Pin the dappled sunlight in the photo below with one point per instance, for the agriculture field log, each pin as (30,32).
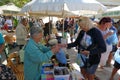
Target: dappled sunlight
(76,66)
(4,62)
(76,72)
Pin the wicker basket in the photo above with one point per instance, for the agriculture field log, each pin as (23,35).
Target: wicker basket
(10,39)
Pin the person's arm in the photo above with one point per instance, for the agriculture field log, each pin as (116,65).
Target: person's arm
(108,34)
(39,54)
(36,55)
(77,41)
(2,41)
(99,42)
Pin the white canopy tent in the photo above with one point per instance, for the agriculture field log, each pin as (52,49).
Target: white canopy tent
(63,7)
(113,12)
(9,9)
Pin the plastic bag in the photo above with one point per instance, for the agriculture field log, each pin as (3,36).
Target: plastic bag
(21,54)
(80,58)
(61,57)
(117,55)
(113,39)
(83,61)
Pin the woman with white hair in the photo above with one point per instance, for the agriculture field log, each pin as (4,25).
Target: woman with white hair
(90,46)
(36,54)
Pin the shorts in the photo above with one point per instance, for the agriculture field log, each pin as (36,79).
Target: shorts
(116,65)
(92,69)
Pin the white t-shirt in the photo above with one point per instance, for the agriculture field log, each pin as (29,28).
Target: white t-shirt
(9,22)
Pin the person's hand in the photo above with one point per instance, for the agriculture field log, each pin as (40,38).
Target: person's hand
(55,49)
(47,37)
(62,45)
(28,36)
(108,34)
(85,52)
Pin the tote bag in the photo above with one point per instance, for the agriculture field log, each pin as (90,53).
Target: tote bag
(21,54)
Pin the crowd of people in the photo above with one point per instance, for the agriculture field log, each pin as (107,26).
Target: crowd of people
(94,42)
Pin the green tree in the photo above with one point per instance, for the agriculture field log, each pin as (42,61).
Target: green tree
(19,3)
(3,2)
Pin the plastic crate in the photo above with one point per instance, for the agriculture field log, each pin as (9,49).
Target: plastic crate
(47,77)
(61,77)
(45,67)
(61,74)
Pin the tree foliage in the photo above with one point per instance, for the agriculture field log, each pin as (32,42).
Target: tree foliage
(19,3)
(3,2)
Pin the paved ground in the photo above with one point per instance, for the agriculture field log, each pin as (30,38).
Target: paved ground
(103,75)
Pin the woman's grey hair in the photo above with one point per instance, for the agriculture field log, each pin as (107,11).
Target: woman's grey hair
(86,22)
(35,30)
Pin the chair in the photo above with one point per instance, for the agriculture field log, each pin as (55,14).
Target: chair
(14,62)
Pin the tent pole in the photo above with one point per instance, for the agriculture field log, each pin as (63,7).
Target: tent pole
(49,25)
(63,21)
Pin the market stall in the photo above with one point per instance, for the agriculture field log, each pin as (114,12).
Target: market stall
(9,9)
(63,8)
(60,73)
(113,12)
